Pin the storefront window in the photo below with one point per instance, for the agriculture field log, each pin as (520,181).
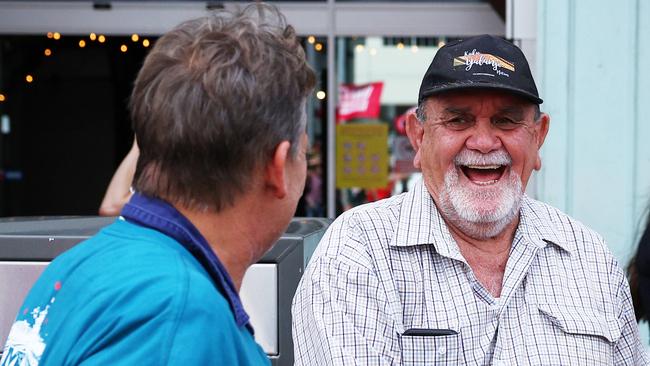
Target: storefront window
(64,121)
(313,201)
(379,78)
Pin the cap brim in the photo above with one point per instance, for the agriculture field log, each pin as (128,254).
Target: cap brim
(462,86)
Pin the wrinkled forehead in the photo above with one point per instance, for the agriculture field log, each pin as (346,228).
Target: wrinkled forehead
(480,102)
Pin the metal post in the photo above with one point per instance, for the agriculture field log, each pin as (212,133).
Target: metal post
(331,112)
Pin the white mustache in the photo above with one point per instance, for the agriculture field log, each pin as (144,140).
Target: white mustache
(470,157)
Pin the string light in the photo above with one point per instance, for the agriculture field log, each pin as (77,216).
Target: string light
(318,47)
(47,52)
(145,42)
(320,95)
(101,38)
(93,36)
(2,98)
(441,44)
(359,48)
(414,49)
(82,43)
(123,48)
(400,46)
(135,37)
(29,78)
(49,35)
(56,36)
(311,39)
(373,51)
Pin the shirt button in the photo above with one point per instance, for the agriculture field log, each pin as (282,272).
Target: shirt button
(442,350)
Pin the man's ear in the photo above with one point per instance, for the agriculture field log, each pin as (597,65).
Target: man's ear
(275,178)
(415,133)
(541,131)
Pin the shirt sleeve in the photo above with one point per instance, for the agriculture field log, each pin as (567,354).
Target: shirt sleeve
(629,350)
(340,311)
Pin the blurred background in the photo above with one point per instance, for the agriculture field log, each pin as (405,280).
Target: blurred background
(67,67)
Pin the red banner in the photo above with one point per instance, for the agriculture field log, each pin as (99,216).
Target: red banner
(359,101)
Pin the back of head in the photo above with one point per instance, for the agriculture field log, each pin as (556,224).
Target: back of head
(213,99)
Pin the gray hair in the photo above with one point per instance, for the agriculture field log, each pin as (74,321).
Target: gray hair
(214,98)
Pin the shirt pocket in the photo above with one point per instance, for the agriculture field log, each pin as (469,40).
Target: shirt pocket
(582,334)
(428,349)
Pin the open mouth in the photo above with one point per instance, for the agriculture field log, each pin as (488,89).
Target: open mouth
(483,175)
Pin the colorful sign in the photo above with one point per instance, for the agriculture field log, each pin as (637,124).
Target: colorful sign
(359,101)
(362,155)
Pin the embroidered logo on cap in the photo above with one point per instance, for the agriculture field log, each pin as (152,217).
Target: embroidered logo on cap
(469,59)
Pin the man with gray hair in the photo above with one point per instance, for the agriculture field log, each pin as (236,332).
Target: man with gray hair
(219,112)
(465,268)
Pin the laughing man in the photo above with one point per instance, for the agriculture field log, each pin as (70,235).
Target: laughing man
(465,268)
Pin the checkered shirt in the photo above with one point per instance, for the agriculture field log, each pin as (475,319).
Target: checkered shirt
(392,265)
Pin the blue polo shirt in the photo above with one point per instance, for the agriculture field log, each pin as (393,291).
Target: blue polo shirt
(146,290)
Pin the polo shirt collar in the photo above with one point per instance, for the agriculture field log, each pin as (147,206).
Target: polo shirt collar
(163,217)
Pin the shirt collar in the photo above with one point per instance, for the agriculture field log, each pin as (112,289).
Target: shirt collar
(420,223)
(161,216)
(537,224)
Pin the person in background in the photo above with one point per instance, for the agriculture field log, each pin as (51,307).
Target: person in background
(314,187)
(119,189)
(219,111)
(465,268)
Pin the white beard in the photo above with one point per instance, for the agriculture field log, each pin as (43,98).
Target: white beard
(481,212)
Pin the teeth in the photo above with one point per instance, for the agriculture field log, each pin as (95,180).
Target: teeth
(484,166)
(486,183)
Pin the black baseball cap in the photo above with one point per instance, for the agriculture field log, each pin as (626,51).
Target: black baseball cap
(480,62)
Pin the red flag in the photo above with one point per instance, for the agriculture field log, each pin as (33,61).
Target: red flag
(359,101)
